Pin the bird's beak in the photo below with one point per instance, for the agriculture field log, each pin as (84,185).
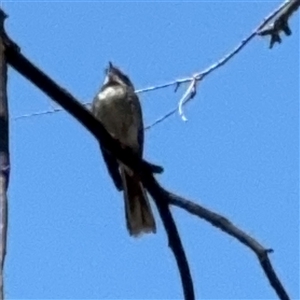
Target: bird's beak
(110,68)
(108,72)
(110,65)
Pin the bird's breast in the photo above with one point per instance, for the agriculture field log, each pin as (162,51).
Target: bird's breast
(118,115)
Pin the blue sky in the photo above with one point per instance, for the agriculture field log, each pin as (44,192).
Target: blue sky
(237,154)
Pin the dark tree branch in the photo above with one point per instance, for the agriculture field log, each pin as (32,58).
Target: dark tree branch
(4,154)
(280,23)
(145,169)
(225,225)
(162,200)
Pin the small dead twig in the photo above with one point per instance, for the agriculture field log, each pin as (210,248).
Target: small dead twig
(280,24)
(201,75)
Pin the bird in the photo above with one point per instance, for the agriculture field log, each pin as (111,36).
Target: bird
(118,108)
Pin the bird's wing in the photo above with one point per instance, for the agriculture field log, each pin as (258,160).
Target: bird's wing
(137,111)
(113,168)
(110,161)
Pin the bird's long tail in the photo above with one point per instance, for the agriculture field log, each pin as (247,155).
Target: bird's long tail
(139,216)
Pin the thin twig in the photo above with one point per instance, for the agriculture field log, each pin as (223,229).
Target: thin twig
(199,76)
(46,112)
(40,113)
(161,119)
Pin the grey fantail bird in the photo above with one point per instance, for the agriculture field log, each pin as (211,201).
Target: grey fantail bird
(118,108)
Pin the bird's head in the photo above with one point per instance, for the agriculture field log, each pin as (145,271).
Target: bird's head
(116,76)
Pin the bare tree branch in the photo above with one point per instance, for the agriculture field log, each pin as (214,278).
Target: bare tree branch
(4,155)
(201,75)
(225,225)
(143,168)
(187,96)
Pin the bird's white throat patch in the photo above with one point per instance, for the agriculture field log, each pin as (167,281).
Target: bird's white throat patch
(109,93)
